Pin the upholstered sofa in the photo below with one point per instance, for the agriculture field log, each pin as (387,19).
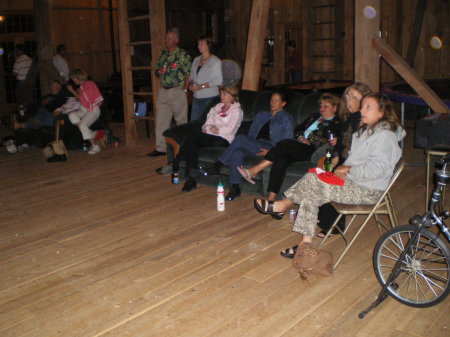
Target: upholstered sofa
(299,105)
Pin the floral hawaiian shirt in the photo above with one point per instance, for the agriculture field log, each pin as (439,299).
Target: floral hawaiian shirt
(178,64)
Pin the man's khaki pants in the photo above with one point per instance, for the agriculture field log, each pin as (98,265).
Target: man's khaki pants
(171,103)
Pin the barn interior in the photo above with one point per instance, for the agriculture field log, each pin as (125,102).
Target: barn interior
(104,246)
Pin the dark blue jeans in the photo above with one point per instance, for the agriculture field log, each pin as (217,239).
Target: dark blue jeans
(198,107)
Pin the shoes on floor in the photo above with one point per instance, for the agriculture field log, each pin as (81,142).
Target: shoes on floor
(156,153)
(234,192)
(166,169)
(189,185)
(57,157)
(94,149)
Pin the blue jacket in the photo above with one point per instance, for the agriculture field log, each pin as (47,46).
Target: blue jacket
(281,125)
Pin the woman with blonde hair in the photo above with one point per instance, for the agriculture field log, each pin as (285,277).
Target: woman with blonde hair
(221,125)
(90,100)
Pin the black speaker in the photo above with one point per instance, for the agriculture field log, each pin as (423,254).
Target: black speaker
(433,131)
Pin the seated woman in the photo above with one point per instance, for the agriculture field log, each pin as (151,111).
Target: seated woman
(266,130)
(90,100)
(350,117)
(366,172)
(221,125)
(310,135)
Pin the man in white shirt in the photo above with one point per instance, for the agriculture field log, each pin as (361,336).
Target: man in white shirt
(20,68)
(60,62)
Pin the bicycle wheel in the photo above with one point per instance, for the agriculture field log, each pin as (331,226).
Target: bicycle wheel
(423,278)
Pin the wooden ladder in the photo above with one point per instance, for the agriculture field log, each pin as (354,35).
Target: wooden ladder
(156,18)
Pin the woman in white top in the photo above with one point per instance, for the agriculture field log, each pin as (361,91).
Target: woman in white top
(205,77)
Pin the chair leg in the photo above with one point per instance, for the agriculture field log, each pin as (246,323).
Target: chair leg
(427,183)
(353,239)
(331,229)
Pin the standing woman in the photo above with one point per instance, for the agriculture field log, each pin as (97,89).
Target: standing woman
(90,100)
(205,77)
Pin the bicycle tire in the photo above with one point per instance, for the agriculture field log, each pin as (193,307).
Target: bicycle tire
(423,279)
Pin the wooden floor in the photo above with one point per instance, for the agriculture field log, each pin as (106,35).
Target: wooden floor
(103,246)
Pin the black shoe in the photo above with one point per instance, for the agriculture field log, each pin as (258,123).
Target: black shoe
(212,170)
(234,192)
(189,185)
(156,153)
(57,157)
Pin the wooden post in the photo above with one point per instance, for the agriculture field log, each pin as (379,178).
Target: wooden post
(157,20)
(409,75)
(45,46)
(367,25)
(127,77)
(255,44)
(415,32)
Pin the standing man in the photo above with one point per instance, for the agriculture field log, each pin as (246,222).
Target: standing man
(60,62)
(20,69)
(172,68)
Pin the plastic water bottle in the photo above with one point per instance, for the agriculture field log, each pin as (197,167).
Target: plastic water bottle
(175,178)
(220,198)
(21,110)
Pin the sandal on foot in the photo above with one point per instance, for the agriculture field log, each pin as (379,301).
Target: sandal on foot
(266,207)
(245,174)
(287,252)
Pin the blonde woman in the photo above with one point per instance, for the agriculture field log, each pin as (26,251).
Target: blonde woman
(221,125)
(90,100)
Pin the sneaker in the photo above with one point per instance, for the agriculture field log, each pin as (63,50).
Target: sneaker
(94,149)
(23,147)
(11,146)
(166,169)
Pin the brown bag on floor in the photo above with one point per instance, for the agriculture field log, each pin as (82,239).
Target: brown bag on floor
(55,147)
(59,147)
(312,261)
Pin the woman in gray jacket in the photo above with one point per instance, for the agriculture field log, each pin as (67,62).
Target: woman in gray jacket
(366,172)
(205,77)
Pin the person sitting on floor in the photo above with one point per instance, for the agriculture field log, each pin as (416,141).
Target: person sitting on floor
(364,175)
(90,100)
(267,129)
(310,135)
(221,125)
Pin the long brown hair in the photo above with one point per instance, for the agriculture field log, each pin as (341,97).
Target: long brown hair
(389,116)
(360,87)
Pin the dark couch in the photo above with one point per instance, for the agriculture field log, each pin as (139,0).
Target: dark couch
(300,106)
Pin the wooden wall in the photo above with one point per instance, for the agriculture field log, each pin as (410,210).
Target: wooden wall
(397,19)
(83,26)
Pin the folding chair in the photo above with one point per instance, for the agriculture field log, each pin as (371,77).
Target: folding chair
(383,206)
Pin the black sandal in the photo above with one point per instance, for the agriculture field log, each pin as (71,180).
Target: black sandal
(286,253)
(267,210)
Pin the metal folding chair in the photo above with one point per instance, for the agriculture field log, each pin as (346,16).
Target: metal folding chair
(383,206)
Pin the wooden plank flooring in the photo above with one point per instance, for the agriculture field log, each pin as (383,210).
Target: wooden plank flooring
(103,246)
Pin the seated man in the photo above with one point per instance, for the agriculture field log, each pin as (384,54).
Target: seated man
(266,130)
(43,115)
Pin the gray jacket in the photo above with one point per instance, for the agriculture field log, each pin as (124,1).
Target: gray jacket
(373,156)
(210,72)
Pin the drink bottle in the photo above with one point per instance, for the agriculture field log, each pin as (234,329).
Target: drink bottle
(175,178)
(327,165)
(220,198)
